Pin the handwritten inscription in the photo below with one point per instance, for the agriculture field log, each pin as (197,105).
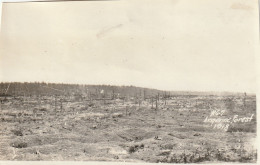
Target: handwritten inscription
(218,121)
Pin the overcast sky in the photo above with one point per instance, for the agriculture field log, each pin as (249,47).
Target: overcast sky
(170,45)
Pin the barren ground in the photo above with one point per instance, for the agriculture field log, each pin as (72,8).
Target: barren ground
(31,129)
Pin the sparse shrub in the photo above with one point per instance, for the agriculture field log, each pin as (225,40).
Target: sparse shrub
(19,145)
(116,157)
(43,109)
(242,128)
(168,146)
(173,159)
(197,134)
(134,148)
(17,132)
(184,158)
(164,153)
(91,104)
(200,156)
(115,115)
(221,156)
(131,149)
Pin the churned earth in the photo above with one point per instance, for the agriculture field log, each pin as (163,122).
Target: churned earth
(116,130)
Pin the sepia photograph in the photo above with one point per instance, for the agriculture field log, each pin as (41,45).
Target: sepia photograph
(138,81)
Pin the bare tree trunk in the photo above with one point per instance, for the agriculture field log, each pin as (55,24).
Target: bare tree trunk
(104,96)
(113,95)
(244,101)
(165,98)
(55,103)
(152,102)
(61,105)
(96,93)
(156,103)
(39,102)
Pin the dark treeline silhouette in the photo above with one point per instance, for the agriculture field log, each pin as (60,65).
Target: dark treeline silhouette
(93,91)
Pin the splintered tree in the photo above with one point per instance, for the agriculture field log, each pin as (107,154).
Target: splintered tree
(156,102)
(123,100)
(24,99)
(1,104)
(152,102)
(90,96)
(103,96)
(61,101)
(165,98)
(126,109)
(139,99)
(244,100)
(113,94)
(96,93)
(7,89)
(39,102)
(55,103)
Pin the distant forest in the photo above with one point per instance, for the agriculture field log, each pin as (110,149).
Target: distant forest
(93,91)
(97,91)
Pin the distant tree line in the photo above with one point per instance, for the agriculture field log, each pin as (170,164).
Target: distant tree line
(91,91)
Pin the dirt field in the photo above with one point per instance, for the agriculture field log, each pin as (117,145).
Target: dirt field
(40,128)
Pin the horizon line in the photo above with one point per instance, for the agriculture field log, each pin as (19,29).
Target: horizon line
(191,91)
